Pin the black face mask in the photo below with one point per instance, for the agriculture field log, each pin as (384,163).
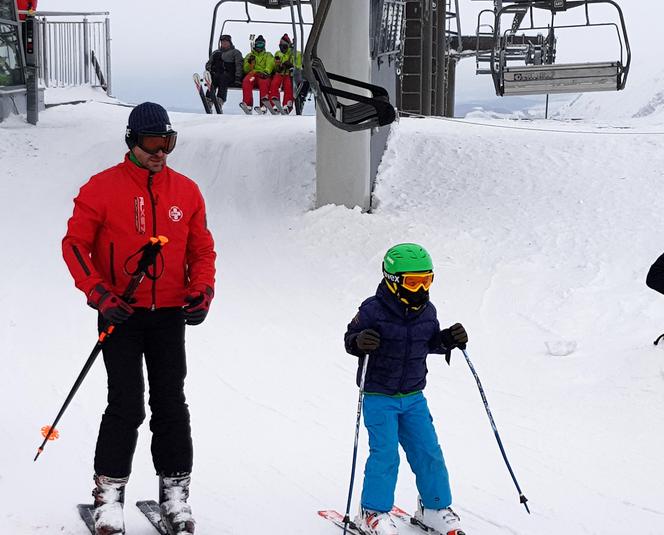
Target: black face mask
(415,299)
(283,48)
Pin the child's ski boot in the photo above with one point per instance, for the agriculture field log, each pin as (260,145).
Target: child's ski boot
(443,521)
(375,523)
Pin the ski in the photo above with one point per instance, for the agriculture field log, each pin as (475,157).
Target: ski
(152,512)
(246,109)
(260,110)
(213,92)
(269,105)
(201,93)
(277,107)
(85,512)
(338,520)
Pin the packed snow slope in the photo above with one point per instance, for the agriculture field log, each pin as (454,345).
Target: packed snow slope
(541,233)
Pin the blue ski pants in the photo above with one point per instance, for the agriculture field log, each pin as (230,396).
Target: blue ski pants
(391,421)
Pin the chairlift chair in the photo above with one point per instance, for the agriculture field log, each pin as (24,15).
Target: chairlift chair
(539,74)
(297,23)
(365,112)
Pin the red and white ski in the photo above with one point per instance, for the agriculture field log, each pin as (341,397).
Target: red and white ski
(338,520)
(401,516)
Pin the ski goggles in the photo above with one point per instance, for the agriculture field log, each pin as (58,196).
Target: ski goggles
(152,142)
(412,281)
(415,281)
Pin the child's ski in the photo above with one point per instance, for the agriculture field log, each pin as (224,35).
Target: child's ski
(338,520)
(201,93)
(151,510)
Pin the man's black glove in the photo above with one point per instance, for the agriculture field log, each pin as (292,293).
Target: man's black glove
(455,336)
(367,340)
(197,307)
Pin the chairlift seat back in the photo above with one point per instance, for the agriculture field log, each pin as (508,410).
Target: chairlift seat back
(367,112)
(561,78)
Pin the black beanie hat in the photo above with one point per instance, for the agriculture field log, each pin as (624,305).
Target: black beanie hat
(147,117)
(259,39)
(226,37)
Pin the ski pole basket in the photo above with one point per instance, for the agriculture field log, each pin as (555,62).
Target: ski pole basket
(364,112)
(523,65)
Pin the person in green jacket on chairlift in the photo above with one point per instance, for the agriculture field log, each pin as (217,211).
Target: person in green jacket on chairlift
(286,59)
(258,69)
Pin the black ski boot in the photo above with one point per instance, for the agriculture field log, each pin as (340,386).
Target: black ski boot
(175,511)
(109,500)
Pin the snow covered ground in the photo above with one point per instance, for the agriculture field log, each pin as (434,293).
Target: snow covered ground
(541,232)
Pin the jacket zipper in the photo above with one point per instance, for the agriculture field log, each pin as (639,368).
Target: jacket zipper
(406,354)
(154,233)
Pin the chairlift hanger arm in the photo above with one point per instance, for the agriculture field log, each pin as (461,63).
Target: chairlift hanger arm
(367,113)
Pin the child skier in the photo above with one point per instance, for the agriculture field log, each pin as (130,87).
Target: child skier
(398,328)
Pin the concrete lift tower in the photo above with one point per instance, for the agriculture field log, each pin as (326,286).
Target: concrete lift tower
(361,41)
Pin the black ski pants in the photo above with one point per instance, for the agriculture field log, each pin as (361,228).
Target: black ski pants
(159,336)
(222,82)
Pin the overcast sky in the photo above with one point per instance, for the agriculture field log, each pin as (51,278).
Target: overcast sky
(158,44)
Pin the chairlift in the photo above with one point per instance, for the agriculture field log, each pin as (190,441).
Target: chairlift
(539,74)
(297,24)
(367,111)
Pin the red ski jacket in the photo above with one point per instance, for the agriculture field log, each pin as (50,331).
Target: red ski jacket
(115,214)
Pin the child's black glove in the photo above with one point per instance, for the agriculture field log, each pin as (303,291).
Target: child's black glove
(455,336)
(367,340)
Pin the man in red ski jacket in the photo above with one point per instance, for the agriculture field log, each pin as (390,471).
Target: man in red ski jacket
(115,214)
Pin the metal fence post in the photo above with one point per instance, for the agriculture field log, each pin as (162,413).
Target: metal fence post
(45,51)
(109,86)
(86,51)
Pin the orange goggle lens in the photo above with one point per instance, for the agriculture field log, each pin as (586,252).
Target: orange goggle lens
(153,143)
(415,281)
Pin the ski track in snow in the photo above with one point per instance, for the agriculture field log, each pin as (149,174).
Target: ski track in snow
(538,237)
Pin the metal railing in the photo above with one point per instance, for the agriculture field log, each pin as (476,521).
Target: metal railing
(74,48)
(388,31)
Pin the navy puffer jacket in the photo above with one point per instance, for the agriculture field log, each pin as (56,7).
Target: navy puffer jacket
(407,336)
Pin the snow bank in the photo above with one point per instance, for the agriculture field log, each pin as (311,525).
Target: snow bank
(541,241)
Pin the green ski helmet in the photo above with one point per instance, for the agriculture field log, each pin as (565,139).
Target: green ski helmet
(408,273)
(407,258)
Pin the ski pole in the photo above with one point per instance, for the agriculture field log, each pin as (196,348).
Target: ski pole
(357,435)
(522,498)
(148,257)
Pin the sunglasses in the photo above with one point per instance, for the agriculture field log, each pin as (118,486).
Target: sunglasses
(415,281)
(152,143)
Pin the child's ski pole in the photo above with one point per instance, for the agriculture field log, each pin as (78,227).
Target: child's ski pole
(522,498)
(357,434)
